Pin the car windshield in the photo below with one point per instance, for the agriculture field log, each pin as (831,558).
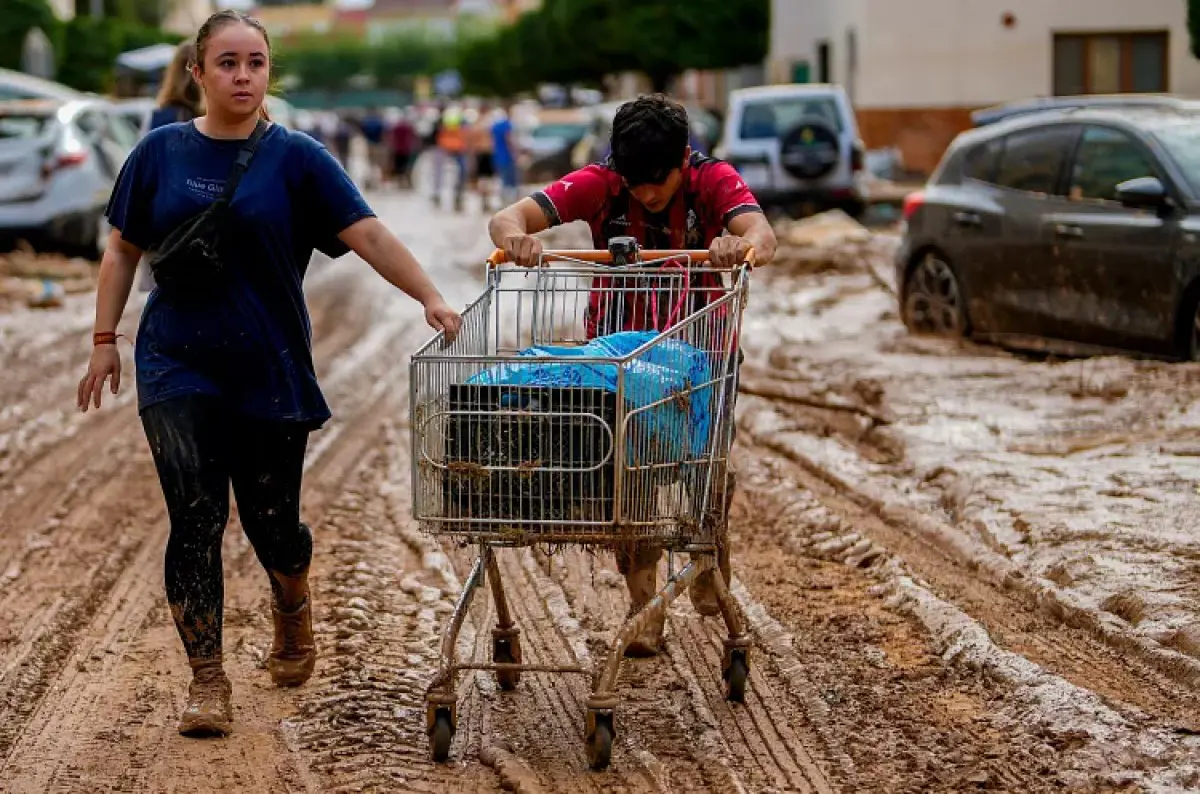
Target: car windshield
(23,127)
(1182,142)
(772,118)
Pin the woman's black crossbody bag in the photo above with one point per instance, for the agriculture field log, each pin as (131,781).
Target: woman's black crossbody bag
(188,265)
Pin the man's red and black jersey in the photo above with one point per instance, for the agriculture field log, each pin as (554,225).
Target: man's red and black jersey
(712,195)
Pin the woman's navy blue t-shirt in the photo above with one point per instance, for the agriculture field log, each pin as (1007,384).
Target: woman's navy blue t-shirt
(252,345)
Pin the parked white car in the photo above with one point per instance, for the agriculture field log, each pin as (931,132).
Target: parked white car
(58,164)
(797,146)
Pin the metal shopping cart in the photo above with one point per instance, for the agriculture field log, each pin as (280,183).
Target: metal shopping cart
(524,434)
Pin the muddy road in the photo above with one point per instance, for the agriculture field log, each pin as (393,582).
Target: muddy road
(934,602)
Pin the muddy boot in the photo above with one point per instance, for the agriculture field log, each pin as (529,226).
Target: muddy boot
(643,585)
(703,591)
(209,711)
(294,652)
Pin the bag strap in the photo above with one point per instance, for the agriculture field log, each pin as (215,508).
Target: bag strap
(242,163)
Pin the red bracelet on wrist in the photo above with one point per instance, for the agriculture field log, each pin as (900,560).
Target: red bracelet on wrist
(106,338)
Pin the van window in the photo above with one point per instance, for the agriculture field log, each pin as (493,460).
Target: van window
(773,118)
(1033,159)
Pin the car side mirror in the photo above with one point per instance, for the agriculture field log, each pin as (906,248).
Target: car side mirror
(1144,193)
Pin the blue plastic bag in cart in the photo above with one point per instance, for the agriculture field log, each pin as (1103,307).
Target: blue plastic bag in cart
(665,372)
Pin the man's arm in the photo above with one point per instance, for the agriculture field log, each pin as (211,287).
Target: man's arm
(755,229)
(579,195)
(511,228)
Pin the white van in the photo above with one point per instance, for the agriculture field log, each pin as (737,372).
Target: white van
(797,146)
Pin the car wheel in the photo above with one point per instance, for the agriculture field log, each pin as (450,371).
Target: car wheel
(93,237)
(933,300)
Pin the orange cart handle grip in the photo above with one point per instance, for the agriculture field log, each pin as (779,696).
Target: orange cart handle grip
(499,257)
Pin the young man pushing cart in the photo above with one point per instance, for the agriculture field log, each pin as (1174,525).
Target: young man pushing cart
(653,188)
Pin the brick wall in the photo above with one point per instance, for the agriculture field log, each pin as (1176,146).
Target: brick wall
(921,134)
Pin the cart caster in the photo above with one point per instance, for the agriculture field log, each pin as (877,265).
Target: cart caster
(506,649)
(600,739)
(440,735)
(735,675)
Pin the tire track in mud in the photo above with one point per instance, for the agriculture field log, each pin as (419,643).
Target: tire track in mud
(901,717)
(969,735)
(120,599)
(761,745)
(1012,620)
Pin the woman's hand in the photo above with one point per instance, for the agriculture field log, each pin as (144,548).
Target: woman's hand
(441,317)
(105,363)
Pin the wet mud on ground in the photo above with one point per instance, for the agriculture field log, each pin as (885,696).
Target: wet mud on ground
(889,556)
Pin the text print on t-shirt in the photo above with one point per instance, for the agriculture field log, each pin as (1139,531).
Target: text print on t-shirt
(205,188)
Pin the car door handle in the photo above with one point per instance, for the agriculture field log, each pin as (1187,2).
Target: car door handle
(967,219)
(1066,230)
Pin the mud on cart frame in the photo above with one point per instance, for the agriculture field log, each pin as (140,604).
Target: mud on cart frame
(585,401)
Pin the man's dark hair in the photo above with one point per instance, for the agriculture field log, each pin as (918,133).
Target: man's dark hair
(649,138)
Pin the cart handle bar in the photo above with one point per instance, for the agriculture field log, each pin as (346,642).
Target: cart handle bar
(499,256)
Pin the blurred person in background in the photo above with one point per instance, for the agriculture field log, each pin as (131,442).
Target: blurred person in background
(403,143)
(179,98)
(504,154)
(655,188)
(373,130)
(226,385)
(483,155)
(341,136)
(451,150)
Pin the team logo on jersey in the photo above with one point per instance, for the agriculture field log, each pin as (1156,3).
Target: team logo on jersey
(692,234)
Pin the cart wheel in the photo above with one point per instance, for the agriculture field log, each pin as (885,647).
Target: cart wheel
(507,650)
(735,676)
(599,744)
(440,736)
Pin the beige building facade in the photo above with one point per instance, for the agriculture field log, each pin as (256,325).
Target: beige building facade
(916,69)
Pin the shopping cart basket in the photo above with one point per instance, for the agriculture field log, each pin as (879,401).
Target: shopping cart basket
(523,434)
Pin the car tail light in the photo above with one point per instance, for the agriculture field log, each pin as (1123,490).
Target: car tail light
(63,160)
(913,202)
(857,158)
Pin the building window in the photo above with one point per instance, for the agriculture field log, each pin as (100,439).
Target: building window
(823,74)
(1110,63)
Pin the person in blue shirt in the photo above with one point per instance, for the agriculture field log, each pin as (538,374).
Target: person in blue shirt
(504,155)
(226,387)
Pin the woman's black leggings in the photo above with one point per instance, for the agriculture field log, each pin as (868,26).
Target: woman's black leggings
(200,447)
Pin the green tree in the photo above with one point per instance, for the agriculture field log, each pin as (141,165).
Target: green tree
(580,41)
(91,46)
(16,20)
(150,13)
(324,63)
(398,60)
(664,38)
(587,61)
(493,65)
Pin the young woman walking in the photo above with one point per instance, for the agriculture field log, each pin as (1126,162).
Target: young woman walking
(226,386)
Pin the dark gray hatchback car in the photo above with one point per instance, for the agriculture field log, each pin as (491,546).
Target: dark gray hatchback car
(1074,229)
